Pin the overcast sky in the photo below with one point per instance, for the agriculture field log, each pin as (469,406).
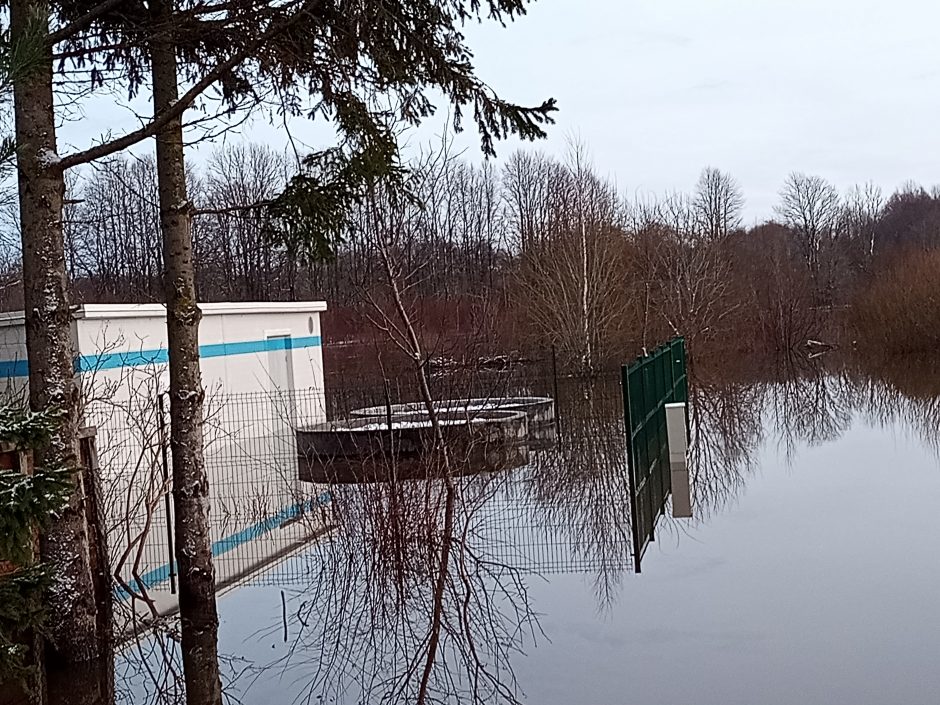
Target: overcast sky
(658,89)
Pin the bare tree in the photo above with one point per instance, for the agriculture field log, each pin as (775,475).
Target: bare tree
(718,203)
(811,207)
(863,207)
(532,187)
(115,236)
(686,272)
(572,280)
(236,258)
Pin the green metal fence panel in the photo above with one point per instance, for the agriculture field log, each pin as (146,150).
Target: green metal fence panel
(649,383)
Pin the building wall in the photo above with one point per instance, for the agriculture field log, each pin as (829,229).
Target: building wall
(126,344)
(262,369)
(13,366)
(242,347)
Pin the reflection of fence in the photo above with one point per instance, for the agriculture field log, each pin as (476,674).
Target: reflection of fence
(649,383)
(563,514)
(258,509)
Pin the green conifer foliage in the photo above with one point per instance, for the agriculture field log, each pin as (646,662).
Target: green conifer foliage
(27,503)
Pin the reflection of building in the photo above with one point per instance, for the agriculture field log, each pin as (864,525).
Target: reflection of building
(262,369)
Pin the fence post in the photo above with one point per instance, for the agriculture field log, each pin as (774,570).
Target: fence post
(555,392)
(166,495)
(678,469)
(388,405)
(96,521)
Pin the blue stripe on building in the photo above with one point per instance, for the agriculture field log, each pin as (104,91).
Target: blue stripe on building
(159,575)
(14,368)
(159,356)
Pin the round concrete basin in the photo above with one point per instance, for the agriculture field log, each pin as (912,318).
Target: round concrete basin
(365,449)
(539,411)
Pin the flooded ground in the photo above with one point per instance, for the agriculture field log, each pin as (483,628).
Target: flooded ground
(808,575)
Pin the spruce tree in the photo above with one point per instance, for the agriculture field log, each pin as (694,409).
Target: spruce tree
(29,498)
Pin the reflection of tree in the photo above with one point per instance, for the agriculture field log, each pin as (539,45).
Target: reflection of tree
(726,429)
(902,391)
(580,488)
(370,612)
(149,670)
(809,404)
(814,402)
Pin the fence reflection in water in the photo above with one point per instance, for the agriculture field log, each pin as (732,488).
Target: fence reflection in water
(549,515)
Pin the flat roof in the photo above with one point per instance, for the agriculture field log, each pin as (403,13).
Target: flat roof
(12,318)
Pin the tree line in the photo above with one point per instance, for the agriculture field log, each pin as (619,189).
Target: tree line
(534,251)
(435,252)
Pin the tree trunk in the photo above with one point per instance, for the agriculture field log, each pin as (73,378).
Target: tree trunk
(199,619)
(65,547)
(89,683)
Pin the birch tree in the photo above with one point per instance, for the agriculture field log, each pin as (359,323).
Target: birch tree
(573,281)
(863,208)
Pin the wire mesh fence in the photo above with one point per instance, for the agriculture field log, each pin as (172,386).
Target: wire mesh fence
(566,510)
(258,508)
(563,511)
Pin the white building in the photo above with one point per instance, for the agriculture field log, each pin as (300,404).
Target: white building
(262,369)
(245,347)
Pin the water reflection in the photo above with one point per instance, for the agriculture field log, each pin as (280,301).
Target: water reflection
(805,403)
(402,603)
(579,492)
(421,595)
(907,394)
(818,400)
(811,408)
(726,432)
(425,590)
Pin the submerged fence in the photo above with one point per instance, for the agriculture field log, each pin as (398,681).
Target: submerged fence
(565,511)
(261,512)
(258,509)
(649,383)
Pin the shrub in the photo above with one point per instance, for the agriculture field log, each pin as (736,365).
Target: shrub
(900,311)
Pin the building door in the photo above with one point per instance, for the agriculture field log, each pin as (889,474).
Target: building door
(281,376)
(281,388)
(280,469)
(280,362)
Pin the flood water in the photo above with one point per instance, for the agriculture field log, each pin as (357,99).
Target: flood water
(808,575)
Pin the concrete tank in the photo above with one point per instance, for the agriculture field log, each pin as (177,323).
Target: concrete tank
(364,449)
(539,411)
